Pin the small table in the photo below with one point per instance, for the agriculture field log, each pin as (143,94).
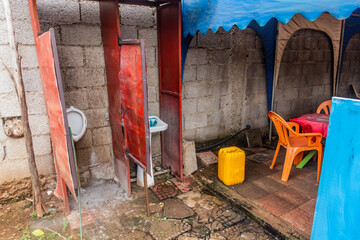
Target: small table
(312,123)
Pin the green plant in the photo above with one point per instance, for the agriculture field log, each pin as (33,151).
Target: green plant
(33,215)
(25,236)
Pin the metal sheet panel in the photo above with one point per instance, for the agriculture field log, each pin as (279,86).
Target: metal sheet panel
(55,106)
(110,32)
(134,99)
(169,37)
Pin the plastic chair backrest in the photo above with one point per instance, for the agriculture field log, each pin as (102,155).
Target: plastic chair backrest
(325,106)
(283,129)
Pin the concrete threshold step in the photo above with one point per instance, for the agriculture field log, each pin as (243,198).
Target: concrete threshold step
(274,225)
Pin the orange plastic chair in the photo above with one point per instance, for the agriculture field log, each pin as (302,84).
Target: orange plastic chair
(295,143)
(325,106)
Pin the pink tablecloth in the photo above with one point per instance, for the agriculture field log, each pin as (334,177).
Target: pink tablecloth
(313,123)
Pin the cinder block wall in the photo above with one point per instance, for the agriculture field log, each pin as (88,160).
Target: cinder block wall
(14,170)
(351,71)
(305,78)
(224,86)
(78,37)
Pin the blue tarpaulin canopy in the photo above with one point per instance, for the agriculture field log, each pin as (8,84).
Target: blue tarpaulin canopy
(263,17)
(211,14)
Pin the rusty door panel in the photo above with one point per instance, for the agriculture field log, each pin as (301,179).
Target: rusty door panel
(134,100)
(110,32)
(169,37)
(55,106)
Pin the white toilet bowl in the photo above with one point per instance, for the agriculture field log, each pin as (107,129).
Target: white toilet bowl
(77,122)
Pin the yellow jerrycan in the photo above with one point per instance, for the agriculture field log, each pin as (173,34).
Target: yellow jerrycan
(231,165)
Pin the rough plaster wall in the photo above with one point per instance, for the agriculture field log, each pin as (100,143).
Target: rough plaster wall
(224,85)
(351,68)
(305,78)
(13,161)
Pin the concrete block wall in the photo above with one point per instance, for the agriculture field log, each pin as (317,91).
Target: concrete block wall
(351,68)
(13,159)
(305,78)
(224,86)
(78,38)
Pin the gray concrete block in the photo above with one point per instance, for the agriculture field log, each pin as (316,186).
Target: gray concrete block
(9,105)
(150,37)
(97,97)
(39,124)
(221,57)
(81,34)
(103,171)
(189,134)
(208,104)
(304,56)
(215,118)
(210,40)
(83,77)
(151,56)
(96,118)
(189,106)
(154,108)
(137,16)
(195,89)
(29,56)
(156,143)
(260,71)
(19,9)
(196,57)
(101,136)
(6,85)
(129,32)
(42,145)
(45,164)
(23,32)
(86,141)
(94,57)
(71,56)
(255,56)
(15,148)
(153,93)
(208,72)
(189,157)
(152,74)
(189,73)
(65,11)
(90,12)
(77,98)
(36,103)
(32,80)
(196,121)
(4,39)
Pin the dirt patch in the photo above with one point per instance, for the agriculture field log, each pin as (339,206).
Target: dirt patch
(20,188)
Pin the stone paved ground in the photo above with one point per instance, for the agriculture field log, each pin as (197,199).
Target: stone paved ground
(194,214)
(286,206)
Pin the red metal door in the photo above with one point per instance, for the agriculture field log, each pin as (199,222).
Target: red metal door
(169,37)
(110,32)
(134,98)
(55,106)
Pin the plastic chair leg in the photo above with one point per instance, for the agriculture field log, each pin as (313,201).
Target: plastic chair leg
(320,158)
(298,158)
(275,155)
(289,159)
